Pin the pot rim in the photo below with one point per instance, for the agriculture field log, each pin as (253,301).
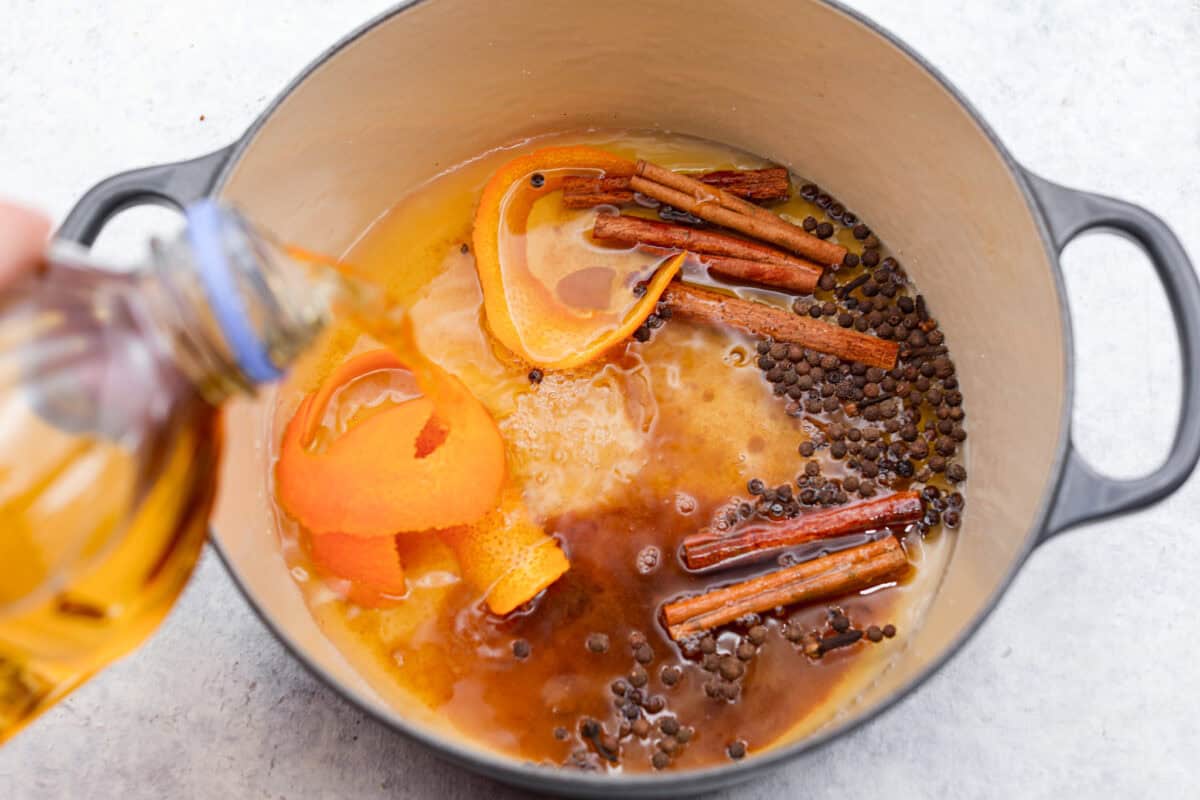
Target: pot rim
(514,771)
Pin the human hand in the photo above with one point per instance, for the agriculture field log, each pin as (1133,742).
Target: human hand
(23,235)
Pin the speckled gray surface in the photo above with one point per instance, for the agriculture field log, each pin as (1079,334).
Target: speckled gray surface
(1083,683)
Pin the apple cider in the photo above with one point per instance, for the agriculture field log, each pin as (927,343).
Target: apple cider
(692,523)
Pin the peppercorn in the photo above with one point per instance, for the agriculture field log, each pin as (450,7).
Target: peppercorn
(670,675)
(731,668)
(638,676)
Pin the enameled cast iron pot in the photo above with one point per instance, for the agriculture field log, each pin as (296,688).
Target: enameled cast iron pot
(432,83)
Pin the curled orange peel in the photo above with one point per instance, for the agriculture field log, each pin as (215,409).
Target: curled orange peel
(507,556)
(506,201)
(372,564)
(435,461)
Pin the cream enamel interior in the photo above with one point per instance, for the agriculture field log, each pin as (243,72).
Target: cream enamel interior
(446,79)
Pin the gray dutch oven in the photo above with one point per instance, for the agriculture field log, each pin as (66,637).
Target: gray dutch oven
(425,86)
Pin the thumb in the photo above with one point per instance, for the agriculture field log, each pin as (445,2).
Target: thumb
(23,234)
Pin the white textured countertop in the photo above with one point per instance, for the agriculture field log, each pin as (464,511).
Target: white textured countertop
(1085,682)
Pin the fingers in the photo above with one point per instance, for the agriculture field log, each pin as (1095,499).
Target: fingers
(23,234)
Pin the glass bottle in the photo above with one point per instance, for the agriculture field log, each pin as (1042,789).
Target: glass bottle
(110,384)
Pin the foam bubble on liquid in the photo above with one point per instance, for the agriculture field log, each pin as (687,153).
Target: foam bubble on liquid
(573,443)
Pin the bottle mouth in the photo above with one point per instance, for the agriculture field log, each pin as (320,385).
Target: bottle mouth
(226,261)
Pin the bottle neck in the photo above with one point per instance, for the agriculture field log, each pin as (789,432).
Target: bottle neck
(232,310)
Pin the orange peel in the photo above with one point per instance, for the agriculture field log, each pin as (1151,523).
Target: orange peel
(553,338)
(371,564)
(431,462)
(507,556)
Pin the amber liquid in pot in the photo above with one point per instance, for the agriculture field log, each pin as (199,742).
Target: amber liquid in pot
(630,453)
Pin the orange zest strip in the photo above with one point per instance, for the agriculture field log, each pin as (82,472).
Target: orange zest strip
(346,373)
(371,564)
(432,462)
(506,201)
(507,556)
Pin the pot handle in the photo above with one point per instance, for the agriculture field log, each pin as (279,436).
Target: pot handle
(174,185)
(1084,494)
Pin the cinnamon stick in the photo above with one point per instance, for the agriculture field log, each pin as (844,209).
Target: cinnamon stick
(772,183)
(635,230)
(788,277)
(775,276)
(724,255)
(759,542)
(760,319)
(822,578)
(585,192)
(723,208)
